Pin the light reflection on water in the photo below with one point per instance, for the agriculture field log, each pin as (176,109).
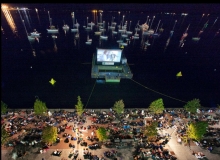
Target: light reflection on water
(62,59)
(9,18)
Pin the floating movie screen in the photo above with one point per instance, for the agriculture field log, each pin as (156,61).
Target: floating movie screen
(108,55)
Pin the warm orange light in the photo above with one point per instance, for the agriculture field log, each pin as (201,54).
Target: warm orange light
(4,7)
(8,17)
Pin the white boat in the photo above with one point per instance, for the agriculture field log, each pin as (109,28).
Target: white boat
(123,44)
(128,32)
(75,30)
(66,27)
(135,37)
(112,27)
(54,36)
(151,31)
(98,33)
(104,37)
(121,30)
(52,29)
(89,42)
(119,41)
(35,33)
(31,38)
(114,32)
(196,38)
(114,23)
(91,24)
(124,35)
(102,29)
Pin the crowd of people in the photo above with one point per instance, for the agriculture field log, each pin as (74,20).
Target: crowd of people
(129,125)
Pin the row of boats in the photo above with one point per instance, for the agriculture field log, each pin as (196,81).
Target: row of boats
(123,30)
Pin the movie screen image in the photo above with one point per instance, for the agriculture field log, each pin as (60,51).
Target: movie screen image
(109,55)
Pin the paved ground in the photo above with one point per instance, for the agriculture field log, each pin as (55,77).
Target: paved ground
(181,152)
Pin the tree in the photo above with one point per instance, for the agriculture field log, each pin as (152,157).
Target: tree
(49,134)
(151,131)
(119,107)
(79,106)
(101,133)
(4,135)
(196,130)
(192,105)
(40,107)
(4,107)
(157,106)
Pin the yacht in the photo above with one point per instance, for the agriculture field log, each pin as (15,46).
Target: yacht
(66,27)
(52,29)
(35,33)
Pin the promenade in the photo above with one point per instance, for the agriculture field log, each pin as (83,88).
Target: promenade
(180,151)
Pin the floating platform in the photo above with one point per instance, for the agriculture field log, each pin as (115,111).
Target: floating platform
(112,79)
(111,73)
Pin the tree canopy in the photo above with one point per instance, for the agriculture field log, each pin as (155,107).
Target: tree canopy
(40,107)
(4,107)
(4,135)
(79,106)
(49,134)
(192,105)
(157,106)
(196,130)
(119,107)
(101,133)
(151,130)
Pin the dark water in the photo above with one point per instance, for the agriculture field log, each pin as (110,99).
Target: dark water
(25,77)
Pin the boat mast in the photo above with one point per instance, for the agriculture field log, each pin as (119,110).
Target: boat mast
(50,19)
(152,22)
(73,17)
(157,26)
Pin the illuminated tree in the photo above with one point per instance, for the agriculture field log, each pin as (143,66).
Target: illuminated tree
(4,107)
(157,106)
(79,106)
(150,131)
(192,105)
(4,135)
(101,133)
(40,107)
(119,107)
(49,134)
(195,130)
